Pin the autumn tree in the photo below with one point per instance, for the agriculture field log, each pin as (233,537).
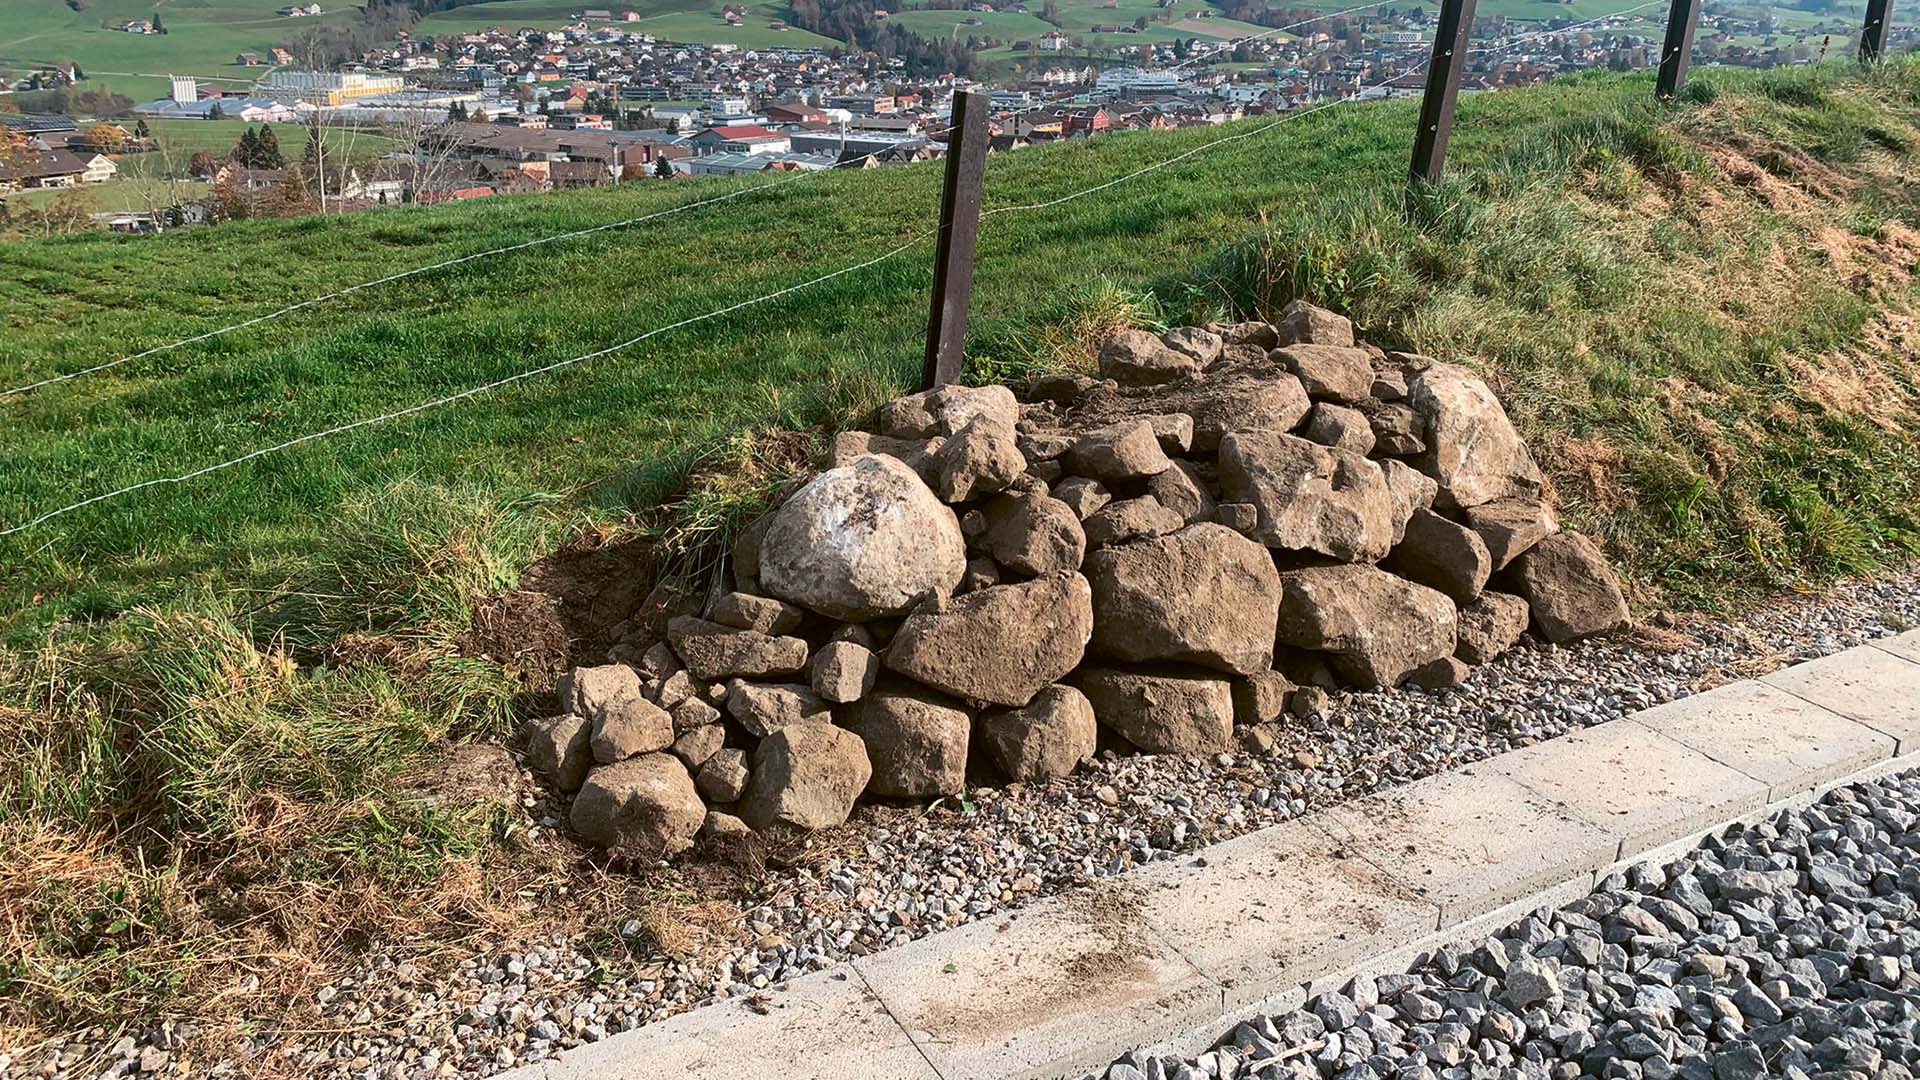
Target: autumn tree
(105,139)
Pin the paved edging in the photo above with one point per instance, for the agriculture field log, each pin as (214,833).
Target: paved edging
(1169,955)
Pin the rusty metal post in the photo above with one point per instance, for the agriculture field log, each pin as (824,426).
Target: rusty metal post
(1682,19)
(1873,36)
(959,227)
(1443,89)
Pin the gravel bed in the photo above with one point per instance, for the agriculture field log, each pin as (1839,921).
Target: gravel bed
(894,876)
(1784,949)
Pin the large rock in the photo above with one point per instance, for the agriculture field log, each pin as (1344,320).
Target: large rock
(724,777)
(864,541)
(712,651)
(1490,626)
(1571,590)
(1412,490)
(1442,554)
(916,741)
(1264,399)
(1340,427)
(1473,450)
(807,775)
(639,728)
(1127,450)
(981,459)
(946,410)
(1510,526)
(1310,497)
(1140,358)
(1163,713)
(1130,519)
(764,708)
(1034,534)
(1303,323)
(1261,697)
(559,748)
(594,691)
(851,446)
(1203,595)
(999,645)
(1379,627)
(1083,495)
(1180,490)
(1047,739)
(1203,345)
(843,671)
(1329,371)
(644,807)
(743,611)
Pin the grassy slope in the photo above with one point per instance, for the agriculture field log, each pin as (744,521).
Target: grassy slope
(1699,316)
(695,21)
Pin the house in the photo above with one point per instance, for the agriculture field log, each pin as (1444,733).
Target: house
(740,139)
(247,59)
(299,11)
(794,113)
(33,166)
(1054,41)
(280,56)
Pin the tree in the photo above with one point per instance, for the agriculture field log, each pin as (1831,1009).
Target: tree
(315,150)
(200,164)
(1140,23)
(141,131)
(270,150)
(216,113)
(157,28)
(106,139)
(663,168)
(246,153)
(457,112)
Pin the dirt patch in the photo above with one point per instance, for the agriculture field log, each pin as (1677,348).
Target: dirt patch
(569,608)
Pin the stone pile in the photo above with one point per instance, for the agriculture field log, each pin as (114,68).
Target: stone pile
(1227,524)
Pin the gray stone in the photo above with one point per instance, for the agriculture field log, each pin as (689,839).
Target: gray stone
(763,613)
(982,458)
(1301,322)
(644,807)
(806,775)
(1141,358)
(558,748)
(844,671)
(696,746)
(723,778)
(1473,451)
(1203,346)
(1034,534)
(1180,490)
(1570,589)
(712,651)
(1339,426)
(764,708)
(1259,334)
(1310,497)
(1126,450)
(635,727)
(1490,626)
(692,713)
(1130,519)
(1083,495)
(1331,372)
(1203,595)
(916,741)
(1379,627)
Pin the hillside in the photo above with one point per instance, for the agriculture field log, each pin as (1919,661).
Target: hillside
(1700,315)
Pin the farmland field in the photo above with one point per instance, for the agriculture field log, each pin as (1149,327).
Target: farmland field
(693,21)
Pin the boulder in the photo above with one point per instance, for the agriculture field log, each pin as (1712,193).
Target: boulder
(1179,489)
(1396,428)
(1259,334)
(1442,554)
(1260,697)
(1130,519)
(559,749)
(1034,534)
(764,708)
(712,651)
(693,713)
(1047,739)
(1203,346)
(1000,645)
(1140,358)
(915,454)
(1473,451)
(1271,400)
(807,775)
(1329,371)
(1442,674)
(1510,526)
(1412,490)
(1340,427)
(1127,450)
(1204,595)
(723,778)
(843,671)
(762,613)
(1569,587)
(640,727)
(916,740)
(1174,430)
(946,410)
(696,746)
(1379,627)
(644,807)
(1303,323)
(1162,713)
(981,573)
(864,541)
(982,459)
(1310,497)
(1083,495)
(1490,626)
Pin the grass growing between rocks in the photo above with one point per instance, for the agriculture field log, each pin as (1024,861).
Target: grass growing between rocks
(245,723)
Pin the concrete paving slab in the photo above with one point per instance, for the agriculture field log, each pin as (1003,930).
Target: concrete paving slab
(1470,840)
(1878,688)
(1060,988)
(1636,784)
(1771,735)
(1281,906)
(827,1026)
(1906,646)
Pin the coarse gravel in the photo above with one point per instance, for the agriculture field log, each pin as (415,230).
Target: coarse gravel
(1785,949)
(896,875)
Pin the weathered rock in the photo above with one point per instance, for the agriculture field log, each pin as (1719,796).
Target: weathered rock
(644,807)
(1243,518)
(1396,428)
(693,713)
(658,661)
(1179,489)
(981,573)
(807,775)
(1569,587)
(1140,358)
(1441,674)
(723,778)
(1473,450)
(946,410)
(1203,595)
(764,708)
(1379,627)
(712,651)
(1259,334)
(559,749)
(1272,401)
(1162,713)
(1412,490)
(1301,322)
(721,827)
(696,746)
(675,689)
(1310,497)
(1173,430)
(1260,697)
(1034,534)
(1510,526)
(761,613)
(1329,371)
(1130,519)
(1390,386)
(1000,645)
(843,671)
(1083,495)
(1444,555)
(915,454)
(864,541)
(1490,626)
(916,741)
(1047,739)
(1039,446)
(635,727)
(594,691)
(1124,451)
(1340,427)
(982,459)
(1202,345)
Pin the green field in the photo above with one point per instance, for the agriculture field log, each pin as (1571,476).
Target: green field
(693,21)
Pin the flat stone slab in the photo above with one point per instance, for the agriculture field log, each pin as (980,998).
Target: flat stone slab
(827,1026)
(1905,646)
(1771,735)
(1059,988)
(1470,840)
(1880,689)
(1280,907)
(1637,785)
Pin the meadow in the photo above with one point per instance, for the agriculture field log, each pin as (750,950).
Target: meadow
(692,21)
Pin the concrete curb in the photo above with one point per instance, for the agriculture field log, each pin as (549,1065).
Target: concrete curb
(1171,955)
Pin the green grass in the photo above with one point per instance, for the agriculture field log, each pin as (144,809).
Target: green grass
(693,21)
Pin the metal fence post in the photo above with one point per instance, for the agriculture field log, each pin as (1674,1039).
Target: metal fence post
(1682,19)
(1443,89)
(1873,36)
(959,228)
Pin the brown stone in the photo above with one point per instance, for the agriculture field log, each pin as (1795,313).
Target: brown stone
(1162,713)
(712,651)
(1301,322)
(1570,589)
(559,749)
(1130,519)
(1140,358)
(1127,450)
(764,708)
(843,671)
(806,775)
(1340,427)
(1490,626)
(1510,526)
(1310,497)
(916,741)
(762,613)
(696,746)
(1379,627)
(1329,371)
(723,778)
(1203,595)
(1034,534)
(644,807)
(1000,645)
(1045,740)
(1442,554)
